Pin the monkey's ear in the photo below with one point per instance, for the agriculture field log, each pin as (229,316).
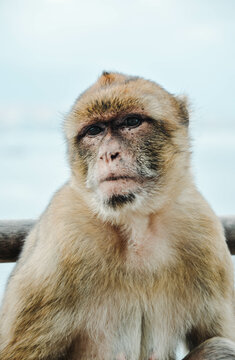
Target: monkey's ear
(107,78)
(183,111)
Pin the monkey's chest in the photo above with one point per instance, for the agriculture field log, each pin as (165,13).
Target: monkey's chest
(121,329)
(136,312)
(148,250)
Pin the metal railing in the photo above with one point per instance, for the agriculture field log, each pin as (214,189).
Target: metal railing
(13,233)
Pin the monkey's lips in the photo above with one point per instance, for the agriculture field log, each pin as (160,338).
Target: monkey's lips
(121,184)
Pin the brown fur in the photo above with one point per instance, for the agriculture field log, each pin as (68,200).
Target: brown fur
(131,277)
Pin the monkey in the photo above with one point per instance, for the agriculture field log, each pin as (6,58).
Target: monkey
(128,260)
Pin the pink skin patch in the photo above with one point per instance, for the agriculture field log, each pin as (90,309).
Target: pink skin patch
(121,356)
(153,357)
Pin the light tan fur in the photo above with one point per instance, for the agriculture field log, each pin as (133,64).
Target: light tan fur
(123,281)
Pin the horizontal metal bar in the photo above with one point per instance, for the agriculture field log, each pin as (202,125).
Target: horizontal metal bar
(13,233)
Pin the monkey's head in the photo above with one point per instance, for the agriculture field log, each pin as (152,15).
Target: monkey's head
(128,145)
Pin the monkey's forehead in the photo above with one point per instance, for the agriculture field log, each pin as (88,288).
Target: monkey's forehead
(105,102)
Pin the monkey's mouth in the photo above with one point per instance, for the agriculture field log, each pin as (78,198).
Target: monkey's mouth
(118,185)
(115,178)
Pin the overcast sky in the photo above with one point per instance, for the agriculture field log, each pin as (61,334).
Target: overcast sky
(51,50)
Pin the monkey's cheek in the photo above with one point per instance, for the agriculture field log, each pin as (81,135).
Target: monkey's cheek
(118,187)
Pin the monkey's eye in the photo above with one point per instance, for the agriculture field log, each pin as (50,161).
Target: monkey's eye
(94,130)
(133,121)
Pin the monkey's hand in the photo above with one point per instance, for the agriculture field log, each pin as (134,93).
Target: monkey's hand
(213,349)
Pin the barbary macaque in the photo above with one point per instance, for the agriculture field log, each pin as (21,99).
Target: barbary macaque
(128,260)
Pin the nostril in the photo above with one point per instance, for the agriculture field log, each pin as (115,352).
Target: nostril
(114,156)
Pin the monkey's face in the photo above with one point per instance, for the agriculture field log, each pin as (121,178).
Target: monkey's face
(120,162)
(119,148)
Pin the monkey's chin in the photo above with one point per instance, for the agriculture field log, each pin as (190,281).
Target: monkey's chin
(117,193)
(113,196)
(117,201)
(114,207)
(117,208)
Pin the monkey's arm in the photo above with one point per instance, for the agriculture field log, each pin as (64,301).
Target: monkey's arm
(217,319)
(208,275)
(33,323)
(35,317)
(45,297)
(217,296)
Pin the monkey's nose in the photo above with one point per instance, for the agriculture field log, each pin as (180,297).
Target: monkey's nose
(114,156)
(110,156)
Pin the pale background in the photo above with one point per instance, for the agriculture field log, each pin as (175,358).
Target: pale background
(52,50)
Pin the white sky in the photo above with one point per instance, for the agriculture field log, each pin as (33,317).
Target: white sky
(51,50)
